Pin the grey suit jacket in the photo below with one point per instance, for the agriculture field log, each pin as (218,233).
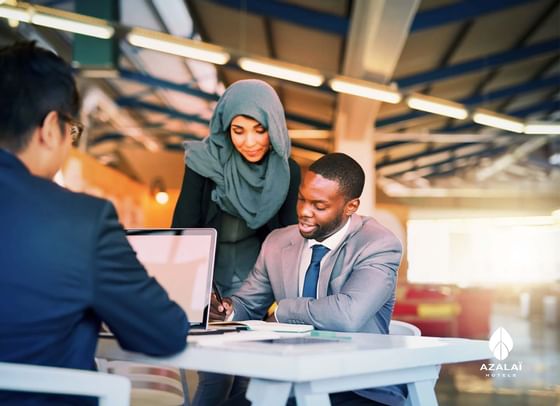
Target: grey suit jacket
(356,288)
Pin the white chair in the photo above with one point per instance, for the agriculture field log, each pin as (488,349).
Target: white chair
(402,328)
(111,390)
(153,385)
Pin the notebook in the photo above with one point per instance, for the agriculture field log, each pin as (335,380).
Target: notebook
(259,325)
(182,261)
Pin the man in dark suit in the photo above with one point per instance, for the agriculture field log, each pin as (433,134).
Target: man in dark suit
(65,263)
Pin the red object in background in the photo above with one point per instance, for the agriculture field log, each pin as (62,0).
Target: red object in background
(428,293)
(442,311)
(474,319)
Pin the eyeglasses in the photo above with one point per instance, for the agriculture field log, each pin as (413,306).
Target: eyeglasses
(76,128)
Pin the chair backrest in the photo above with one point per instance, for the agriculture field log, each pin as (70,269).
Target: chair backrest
(112,390)
(151,383)
(402,328)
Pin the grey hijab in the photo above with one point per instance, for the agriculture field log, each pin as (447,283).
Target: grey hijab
(254,192)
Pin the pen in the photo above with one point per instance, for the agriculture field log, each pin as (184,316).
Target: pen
(217,292)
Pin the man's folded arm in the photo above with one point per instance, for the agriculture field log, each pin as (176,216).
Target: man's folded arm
(368,287)
(134,306)
(255,296)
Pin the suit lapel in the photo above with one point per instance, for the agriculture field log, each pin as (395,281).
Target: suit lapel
(290,266)
(327,267)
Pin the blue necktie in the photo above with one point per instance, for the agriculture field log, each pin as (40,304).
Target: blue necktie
(312,273)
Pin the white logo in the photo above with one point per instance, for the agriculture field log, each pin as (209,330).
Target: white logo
(501,344)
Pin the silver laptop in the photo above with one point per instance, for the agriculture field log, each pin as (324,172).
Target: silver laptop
(182,261)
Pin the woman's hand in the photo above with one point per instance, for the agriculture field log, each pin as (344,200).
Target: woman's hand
(219,311)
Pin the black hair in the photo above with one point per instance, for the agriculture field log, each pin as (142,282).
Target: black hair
(342,169)
(33,82)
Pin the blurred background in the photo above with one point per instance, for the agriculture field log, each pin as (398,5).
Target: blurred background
(454,114)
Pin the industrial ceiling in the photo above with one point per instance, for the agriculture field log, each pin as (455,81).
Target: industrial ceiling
(500,55)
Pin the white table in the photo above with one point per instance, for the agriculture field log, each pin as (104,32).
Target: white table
(365,360)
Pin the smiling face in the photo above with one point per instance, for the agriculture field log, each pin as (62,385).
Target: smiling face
(322,208)
(249,138)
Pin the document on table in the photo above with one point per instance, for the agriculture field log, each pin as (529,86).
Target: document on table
(218,340)
(259,325)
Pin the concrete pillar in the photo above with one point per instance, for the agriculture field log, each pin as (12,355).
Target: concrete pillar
(377,35)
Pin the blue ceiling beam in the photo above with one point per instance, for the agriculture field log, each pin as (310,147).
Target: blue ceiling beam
(339,25)
(530,86)
(149,80)
(485,152)
(134,103)
(489,61)
(427,152)
(521,113)
(326,22)
(471,101)
(460,11)
(166,84)
(481,154)
(385,145)
(536,108)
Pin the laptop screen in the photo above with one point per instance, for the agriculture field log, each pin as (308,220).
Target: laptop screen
(182,261)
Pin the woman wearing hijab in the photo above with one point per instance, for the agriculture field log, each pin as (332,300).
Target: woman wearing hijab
(240,181)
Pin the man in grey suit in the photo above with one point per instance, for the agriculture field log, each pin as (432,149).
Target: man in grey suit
(335,269)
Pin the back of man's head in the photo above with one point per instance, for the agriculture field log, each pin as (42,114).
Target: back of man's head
(342,169)
(33,82)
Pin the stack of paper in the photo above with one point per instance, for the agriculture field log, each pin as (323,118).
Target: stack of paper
(259,325)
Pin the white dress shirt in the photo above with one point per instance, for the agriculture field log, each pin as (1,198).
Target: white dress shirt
(331,243)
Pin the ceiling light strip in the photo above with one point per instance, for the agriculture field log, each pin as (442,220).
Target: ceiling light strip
(542,128)
(99,28)
(170,44)
(76,27)
(293,73)
(71,22)
(365,89)
(501,121)
(438,106)
(15,13)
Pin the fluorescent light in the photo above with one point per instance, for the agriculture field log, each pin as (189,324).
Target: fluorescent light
(59,19)
(77,27)
(501,121)
(365,89)
(72,22)
(542,128)
(436,105)
(293,73)
(170,44)
(15,13)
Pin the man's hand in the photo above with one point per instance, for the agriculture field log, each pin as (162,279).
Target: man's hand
(271,319)
(219,311)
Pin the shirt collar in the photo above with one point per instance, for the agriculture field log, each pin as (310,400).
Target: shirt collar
(334,240)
